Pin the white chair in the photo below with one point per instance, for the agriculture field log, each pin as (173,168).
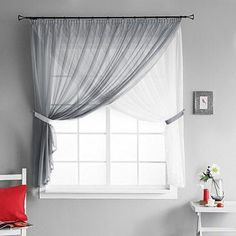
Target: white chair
(20,177)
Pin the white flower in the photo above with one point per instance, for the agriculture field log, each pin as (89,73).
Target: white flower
(215,170)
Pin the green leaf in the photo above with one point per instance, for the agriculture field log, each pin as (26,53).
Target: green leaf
(204,178)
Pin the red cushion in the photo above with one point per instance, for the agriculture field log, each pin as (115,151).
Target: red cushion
(12,202)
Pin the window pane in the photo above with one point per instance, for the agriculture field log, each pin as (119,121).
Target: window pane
(123,174)
(66,148)
(94,122)
(92,147)
(123,147)
(92,173)
(152,174)
(151,127)
(122,123)
(65,126)
(151,147)
(64,174)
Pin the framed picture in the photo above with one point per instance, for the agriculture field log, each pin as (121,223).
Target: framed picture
(203,102)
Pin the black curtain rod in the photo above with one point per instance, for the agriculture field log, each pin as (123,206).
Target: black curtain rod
(20,17)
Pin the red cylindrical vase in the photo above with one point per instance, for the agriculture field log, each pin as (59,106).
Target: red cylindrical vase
(205,195)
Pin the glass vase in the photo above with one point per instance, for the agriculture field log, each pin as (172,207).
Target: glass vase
(217,191)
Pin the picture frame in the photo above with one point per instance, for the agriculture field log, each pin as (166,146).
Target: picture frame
(202,102)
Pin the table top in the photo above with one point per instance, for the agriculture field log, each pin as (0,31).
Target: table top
(229,206)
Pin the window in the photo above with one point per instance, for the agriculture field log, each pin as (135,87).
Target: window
(106,153)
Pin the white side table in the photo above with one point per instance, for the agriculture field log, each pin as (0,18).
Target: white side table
(229,207)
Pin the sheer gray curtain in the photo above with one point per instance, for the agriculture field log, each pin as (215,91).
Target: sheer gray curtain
(81,65)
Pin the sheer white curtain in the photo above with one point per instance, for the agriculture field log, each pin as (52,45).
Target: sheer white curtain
(157,98)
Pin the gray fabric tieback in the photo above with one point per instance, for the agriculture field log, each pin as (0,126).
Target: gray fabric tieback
(42,117)
(48,121)
(175,117)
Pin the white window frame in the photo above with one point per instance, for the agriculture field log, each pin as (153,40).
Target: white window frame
(108,192)
(127,192)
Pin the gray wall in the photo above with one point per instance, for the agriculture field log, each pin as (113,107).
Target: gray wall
(209,64)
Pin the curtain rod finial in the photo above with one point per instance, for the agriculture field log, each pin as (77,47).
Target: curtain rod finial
(191,17)
(20,17)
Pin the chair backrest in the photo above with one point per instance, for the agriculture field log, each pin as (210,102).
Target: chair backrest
(20,177)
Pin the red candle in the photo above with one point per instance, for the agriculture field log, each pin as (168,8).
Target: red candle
(205,195)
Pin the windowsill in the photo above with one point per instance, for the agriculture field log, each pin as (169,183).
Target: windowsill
(128,192)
